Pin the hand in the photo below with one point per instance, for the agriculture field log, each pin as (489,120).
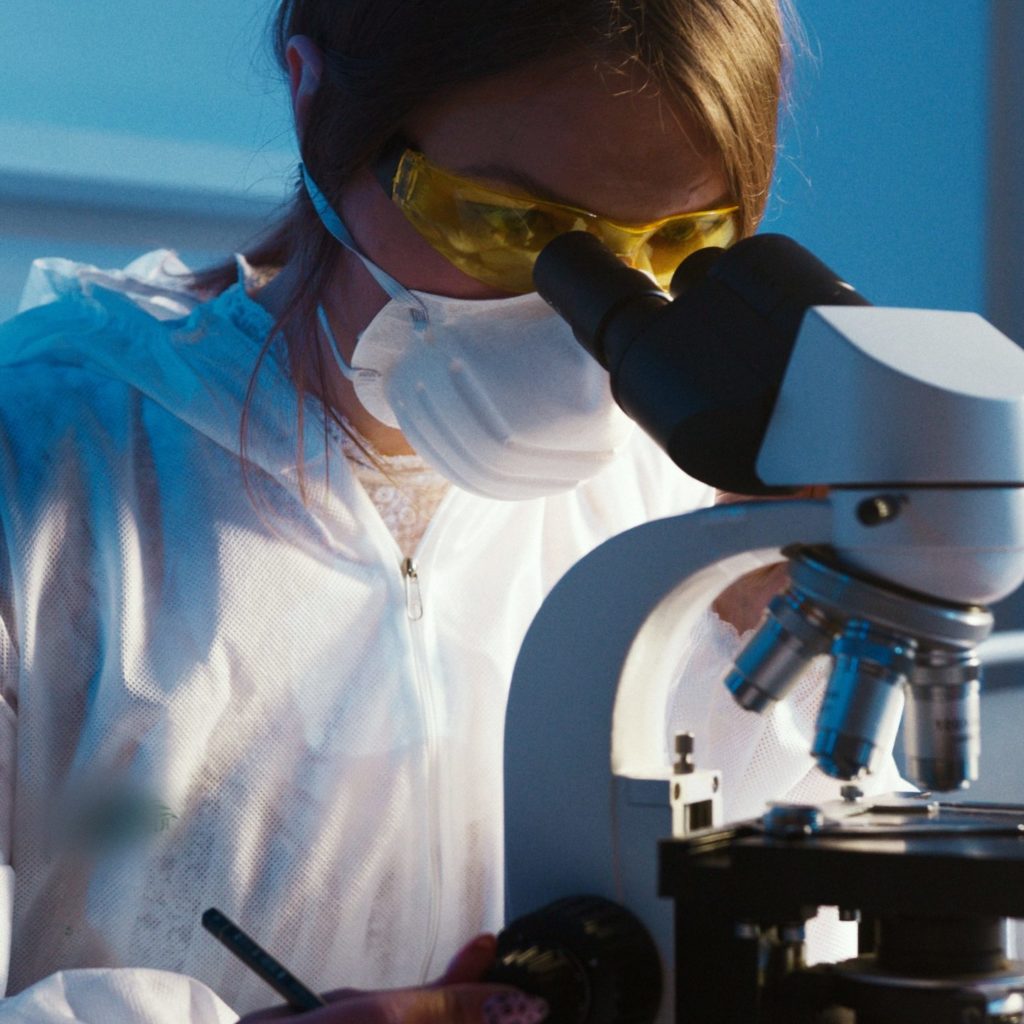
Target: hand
(743,602)
(457,997)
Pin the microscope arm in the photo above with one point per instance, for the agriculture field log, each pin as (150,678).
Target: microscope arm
(622,601)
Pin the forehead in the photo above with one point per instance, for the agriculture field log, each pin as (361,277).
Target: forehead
(601,138)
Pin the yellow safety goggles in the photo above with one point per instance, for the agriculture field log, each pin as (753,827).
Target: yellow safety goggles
(496,236)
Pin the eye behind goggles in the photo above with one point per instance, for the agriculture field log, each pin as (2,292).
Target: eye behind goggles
(496,236)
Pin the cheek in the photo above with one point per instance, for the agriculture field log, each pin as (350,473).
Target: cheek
(386,237)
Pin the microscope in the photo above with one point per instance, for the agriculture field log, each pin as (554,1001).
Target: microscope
(762,373)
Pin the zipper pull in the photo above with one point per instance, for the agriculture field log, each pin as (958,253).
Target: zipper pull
(413,600)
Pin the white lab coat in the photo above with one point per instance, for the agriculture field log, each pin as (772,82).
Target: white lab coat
(214,697)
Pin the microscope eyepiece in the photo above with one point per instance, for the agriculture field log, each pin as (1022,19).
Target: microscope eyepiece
(588,286)
(699,372)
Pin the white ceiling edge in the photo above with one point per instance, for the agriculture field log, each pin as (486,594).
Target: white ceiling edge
(53,164)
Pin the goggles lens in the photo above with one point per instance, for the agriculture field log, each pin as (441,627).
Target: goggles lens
(496,238)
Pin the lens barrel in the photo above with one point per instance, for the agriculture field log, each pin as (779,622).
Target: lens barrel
(794,631)
(860,713)
(942,719)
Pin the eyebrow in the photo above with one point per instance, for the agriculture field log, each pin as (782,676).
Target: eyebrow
(538,190)
(519,179)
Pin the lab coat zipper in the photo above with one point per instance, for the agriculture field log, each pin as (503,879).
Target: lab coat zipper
(434,767)
(413,598)
(435,776)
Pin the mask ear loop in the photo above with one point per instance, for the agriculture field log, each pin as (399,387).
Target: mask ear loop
(394,289)
(334,224)
(348,371)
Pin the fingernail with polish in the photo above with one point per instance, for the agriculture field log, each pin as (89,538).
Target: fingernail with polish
(515,1008)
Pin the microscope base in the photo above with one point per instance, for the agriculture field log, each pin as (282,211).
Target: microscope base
(931,885)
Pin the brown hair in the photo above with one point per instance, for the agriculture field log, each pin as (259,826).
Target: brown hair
(721,61)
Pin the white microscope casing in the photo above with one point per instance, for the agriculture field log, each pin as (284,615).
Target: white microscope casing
(900,401)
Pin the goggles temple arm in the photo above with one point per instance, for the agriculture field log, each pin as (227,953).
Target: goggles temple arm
(385,166)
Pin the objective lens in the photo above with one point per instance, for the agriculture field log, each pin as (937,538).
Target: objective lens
(794,631)
(860,713)
(942,732)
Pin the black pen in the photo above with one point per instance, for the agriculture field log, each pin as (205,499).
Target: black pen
(257,959)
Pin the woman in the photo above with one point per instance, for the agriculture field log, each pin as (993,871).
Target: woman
(276,683)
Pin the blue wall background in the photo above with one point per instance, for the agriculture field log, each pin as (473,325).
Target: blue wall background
(883,171)
(178,69)
(128,126)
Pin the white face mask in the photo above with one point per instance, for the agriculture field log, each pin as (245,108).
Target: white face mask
(495,394)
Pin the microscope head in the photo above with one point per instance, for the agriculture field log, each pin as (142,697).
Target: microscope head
(883,404)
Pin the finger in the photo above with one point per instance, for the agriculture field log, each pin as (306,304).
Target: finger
(338,994)
(456,1004)
(470,963)
(287,1013)
(729,498)
(336,1001)
(514,1007)
(817,491)
(284,1013)
(743,602)
(450,1004)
